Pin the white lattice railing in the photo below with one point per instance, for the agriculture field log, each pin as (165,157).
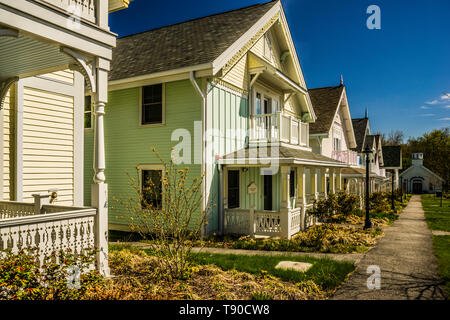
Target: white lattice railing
(84,9)
(295,222)
(267,223)
(74,230)
(346,156)
(236,221)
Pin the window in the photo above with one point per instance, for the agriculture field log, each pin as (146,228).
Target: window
(292,183)
(152,104)
(233,189)
(268,192)
(151,187)
(87,112)
(258,103)
(337,144)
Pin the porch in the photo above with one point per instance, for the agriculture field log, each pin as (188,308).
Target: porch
(263,200)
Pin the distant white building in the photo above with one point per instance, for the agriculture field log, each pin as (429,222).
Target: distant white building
(419,179)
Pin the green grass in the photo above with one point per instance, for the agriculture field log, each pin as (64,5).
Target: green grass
(442,251)
(326,273)
(438,218)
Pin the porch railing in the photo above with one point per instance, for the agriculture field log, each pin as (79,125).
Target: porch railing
(50,229)
(346,156)
(278,127)
(283,223)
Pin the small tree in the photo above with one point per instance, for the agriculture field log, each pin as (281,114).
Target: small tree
(169,214)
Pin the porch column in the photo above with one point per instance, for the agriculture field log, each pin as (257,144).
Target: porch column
(396,184)
(285,203)
(323,182)
(99,190)
(332,180)
(301,185)
(338,180)
(285,179)
(314,182)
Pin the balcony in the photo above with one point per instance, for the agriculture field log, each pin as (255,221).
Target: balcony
(278,127)
(84,9)
(346,156)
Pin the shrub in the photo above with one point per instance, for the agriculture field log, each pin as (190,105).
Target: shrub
(347,203)
(22,277)
(379,201)
(343,204)
(169,215)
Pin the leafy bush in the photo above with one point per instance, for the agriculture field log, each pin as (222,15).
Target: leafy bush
(347,203)
(379,201)
(341,204)
(21,278)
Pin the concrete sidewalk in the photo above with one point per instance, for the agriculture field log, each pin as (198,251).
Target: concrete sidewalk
(406,261)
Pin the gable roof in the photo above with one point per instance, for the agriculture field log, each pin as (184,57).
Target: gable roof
(325,102)
(359,127)
(392,156)
(185,44)
(422,167)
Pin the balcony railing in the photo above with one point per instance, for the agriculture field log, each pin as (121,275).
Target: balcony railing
(83,9)
(278,127)
(346,156)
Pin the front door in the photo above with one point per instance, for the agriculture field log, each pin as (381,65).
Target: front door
(267,192)
(417,187)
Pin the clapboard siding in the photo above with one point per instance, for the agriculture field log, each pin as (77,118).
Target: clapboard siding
(66,76)
(132,144)
(238,74)
(48,143)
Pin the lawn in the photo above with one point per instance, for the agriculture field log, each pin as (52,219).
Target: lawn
(326,273)
(438,217)
(442,251)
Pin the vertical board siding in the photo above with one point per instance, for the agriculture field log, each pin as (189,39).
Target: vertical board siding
(228,122)
(127,144)
(8,143)
(48,144)
(253,175)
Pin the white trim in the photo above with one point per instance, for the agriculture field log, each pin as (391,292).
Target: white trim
(163,111)
(201,70)
(18,149)
(78,139)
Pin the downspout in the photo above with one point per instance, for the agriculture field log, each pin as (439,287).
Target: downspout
(203,97)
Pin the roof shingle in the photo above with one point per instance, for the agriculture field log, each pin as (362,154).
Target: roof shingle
(359,127)
(325,102)
(184,44)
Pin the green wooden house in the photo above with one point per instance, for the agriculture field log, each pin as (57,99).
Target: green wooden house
(228,93)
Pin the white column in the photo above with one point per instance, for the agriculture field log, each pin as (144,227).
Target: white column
(323,182)
(99,190)
(314,182)
(396,182)
(338,180)
(332,180)
(301,185)
(285,202)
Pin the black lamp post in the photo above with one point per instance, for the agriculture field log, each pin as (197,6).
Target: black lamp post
(392,193)
(401,188)
(367,151)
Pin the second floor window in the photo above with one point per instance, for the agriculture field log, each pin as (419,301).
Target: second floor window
(152,104)
(337,144)
(87,112)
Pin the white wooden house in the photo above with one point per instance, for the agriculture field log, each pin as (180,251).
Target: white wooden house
(52,53)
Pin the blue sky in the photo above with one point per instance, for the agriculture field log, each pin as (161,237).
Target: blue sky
(400,72)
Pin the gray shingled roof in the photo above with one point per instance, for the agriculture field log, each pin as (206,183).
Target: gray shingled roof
(184,44)
(325,102)
(359,127)
(392,156)
(282,153)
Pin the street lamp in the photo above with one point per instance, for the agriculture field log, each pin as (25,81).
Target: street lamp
(392,193)
(368,152)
